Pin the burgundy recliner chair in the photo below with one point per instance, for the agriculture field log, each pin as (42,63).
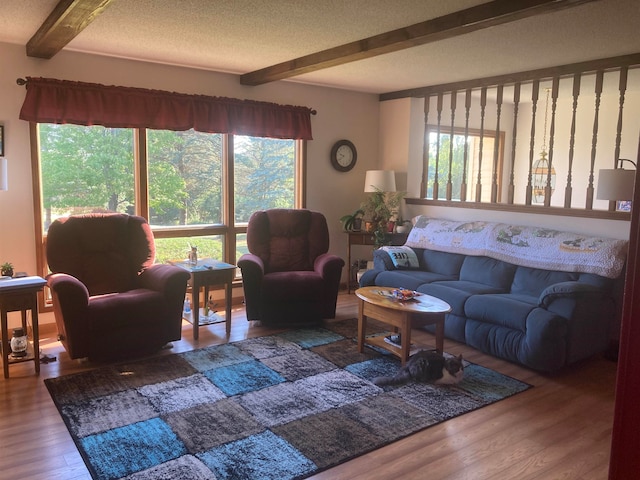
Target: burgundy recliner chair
(289,278)
(109,299)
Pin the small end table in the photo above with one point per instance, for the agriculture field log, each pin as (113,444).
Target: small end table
(205,273)
(20,295)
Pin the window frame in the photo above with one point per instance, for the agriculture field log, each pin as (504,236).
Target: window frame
(488,155)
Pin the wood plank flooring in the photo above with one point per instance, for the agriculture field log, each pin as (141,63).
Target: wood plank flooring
(560,429)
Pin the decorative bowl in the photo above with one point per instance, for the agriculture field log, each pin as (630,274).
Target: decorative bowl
(403,294)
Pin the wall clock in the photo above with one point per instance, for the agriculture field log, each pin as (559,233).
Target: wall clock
(343,155)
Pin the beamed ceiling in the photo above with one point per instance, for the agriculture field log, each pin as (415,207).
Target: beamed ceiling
(376,46)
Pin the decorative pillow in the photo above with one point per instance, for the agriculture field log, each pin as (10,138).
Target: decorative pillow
(402,257)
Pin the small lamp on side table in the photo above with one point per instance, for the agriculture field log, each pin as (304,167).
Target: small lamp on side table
(616,184)
(380,181)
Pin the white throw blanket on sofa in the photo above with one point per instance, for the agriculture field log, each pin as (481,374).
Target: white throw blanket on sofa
(527,246)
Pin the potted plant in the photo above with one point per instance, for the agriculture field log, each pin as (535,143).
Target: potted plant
(352,222)
(379,210)
(403,226)
(6,269)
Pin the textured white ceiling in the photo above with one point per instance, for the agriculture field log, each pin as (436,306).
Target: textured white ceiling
(239,36)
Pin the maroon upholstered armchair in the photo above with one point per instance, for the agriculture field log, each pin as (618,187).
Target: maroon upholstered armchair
(109,299)
(289,278)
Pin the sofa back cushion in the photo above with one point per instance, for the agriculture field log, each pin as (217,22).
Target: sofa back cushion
(444,263)
(105,251)
(488,271)
(601,282)
(287,239)
(532,281)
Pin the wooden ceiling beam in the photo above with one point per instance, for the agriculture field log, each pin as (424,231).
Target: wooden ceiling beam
(68,19)
(471,19)
(589,66)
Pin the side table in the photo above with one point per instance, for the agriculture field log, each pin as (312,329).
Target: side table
(364,238)
(20,295)
(208,272)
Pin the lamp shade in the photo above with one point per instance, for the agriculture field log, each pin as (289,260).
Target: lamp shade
(380,181)
(4,181)
(615,184)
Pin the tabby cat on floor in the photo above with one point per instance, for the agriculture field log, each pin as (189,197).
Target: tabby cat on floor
(427,366)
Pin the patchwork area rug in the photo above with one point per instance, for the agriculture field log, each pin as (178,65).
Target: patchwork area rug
(281,407)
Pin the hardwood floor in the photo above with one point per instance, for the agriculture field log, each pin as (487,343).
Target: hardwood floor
(560,429)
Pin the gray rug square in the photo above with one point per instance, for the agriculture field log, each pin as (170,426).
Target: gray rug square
(329,435)
(298,365)
(209,425)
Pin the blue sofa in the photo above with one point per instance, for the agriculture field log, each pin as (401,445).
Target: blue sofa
(542,318)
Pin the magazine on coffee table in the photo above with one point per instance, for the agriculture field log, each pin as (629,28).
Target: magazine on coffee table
(394,339)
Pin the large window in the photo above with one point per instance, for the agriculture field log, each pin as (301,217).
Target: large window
(194,188)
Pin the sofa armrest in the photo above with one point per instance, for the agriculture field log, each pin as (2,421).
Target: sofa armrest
(70,306)
(164,278)
(251,265)
(328,265)
(368,278)
(252,269)
(576,290)
(171,282)
(70,290)
(382,261)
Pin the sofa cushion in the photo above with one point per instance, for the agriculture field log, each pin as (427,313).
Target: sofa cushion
(502,309)
(293,286)
(495,339)
(599,281)
(454,327)
(534,280)
(144,308)
(488,271)
(542,344)
(455,292)
(104,251)
(408,279)
(287,239)
(448,264)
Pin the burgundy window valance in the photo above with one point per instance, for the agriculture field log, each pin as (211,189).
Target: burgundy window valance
(62,101)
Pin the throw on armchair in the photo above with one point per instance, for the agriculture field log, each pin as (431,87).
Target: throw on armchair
(289,278)
(109,299)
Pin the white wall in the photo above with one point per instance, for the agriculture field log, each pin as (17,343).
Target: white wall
(341,114)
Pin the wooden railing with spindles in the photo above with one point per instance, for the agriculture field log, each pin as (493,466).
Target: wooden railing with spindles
(572,157)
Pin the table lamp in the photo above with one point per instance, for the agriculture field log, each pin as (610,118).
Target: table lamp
(380,181)
(616,184)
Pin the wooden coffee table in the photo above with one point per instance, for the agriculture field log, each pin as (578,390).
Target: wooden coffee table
(377,303)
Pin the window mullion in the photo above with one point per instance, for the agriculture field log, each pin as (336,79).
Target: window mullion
(228,217)
(141,172)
